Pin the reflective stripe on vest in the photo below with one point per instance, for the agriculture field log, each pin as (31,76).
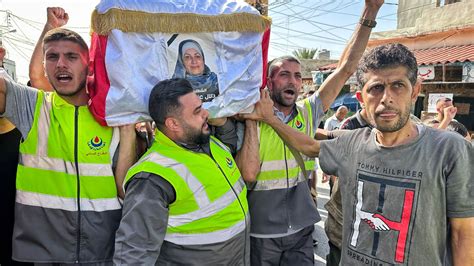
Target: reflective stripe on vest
(67,204)
(207,238)
(59,165)
(206,206)
(51,181)
(206,209)
(279,169)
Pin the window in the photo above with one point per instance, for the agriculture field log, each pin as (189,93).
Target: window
(446,2)
(453,73)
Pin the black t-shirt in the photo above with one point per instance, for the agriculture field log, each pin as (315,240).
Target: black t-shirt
(9,145)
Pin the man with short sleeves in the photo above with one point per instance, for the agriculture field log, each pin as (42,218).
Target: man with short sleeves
(395,176)
(334,122)
(282,211)
(67,207)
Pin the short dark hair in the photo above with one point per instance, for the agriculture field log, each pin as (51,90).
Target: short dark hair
(273,64)
(164,99)
(457,127)
(387,56)
(60,34)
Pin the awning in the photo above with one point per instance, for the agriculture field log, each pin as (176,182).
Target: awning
(443,55)
(440,55)
(328,67)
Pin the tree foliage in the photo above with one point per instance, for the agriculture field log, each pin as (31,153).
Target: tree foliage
(305,53)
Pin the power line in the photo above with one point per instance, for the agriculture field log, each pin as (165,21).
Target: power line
(336,12)
(319,27)
(26,38)
(309,10)
(17,50)
(300,15)
(29,20)
(288,40)
(313,35)
(19,40)
(26,21)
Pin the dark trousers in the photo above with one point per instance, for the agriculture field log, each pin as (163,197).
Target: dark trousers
(334,256)
(75,264)
(295,249)
(331,185)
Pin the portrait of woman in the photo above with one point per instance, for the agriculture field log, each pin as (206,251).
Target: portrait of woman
(191,66)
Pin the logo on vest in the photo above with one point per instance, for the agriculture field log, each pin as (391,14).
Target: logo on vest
(229,162)
(96,143)
(298,124)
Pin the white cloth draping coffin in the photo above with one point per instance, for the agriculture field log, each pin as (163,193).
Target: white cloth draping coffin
(134,62)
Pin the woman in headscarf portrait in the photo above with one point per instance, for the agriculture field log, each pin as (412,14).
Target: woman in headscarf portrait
(191,66)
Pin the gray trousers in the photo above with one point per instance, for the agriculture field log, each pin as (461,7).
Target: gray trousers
(295,249)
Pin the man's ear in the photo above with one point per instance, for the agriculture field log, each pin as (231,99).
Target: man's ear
(359,97)
(172,124)
(416,90)
(269,84)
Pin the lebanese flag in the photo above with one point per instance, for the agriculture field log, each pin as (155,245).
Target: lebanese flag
(220,46)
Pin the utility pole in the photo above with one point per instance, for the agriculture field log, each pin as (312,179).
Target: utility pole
(7,64)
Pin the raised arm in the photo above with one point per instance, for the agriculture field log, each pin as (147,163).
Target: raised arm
(301,142)
(3,90)
(462,240)
(57,17)
(127,155)
(248,157)
(449,114)
(350,56)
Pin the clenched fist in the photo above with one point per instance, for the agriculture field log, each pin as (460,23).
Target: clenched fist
(57,17)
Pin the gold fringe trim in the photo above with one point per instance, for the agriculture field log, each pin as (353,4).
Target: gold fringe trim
(138,21)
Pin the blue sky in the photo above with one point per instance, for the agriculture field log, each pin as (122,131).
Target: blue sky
(321,24)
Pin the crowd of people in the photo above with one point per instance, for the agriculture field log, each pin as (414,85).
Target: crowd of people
(192,194)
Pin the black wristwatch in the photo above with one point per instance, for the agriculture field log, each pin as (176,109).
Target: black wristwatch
(368,22)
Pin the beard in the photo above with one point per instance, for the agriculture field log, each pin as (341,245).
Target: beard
(277,97)
(404,116)
(195,135)
(78,89)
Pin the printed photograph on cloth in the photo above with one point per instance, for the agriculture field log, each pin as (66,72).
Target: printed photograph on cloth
(193,57)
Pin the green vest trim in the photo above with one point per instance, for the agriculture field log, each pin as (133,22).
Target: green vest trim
(47,172)
(211,204)
(279,169)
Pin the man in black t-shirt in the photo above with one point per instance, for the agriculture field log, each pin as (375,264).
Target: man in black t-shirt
(9,141)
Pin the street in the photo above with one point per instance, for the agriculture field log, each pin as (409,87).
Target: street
(322,249)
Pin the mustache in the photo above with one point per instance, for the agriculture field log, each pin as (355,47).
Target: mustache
(290,87)
(385,110)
